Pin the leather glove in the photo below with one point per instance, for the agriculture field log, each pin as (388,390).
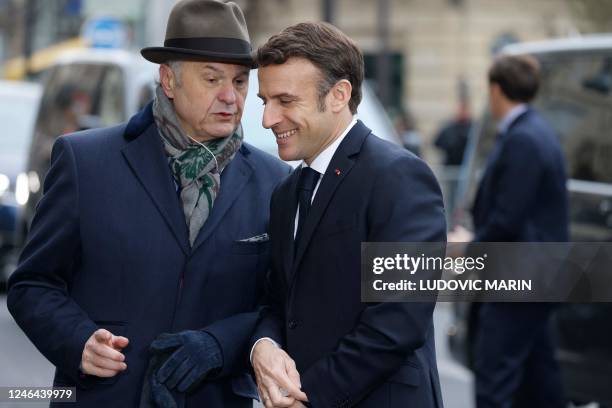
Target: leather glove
(195,356)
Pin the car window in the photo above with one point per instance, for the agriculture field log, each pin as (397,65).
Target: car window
(112,97)
(576,98)
(77,96)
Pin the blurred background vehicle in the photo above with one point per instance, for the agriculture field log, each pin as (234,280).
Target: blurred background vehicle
(576,98)
(18,105)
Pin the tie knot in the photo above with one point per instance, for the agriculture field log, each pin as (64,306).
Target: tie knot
(308,179)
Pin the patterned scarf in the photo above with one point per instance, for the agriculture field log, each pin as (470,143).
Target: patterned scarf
(192,166)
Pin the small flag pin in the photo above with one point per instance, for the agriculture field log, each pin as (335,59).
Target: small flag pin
(338,172)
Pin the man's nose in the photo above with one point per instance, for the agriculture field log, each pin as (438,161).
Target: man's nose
(271,116)
(227,94)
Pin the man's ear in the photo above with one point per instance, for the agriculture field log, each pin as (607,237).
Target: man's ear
(167,80)
(340,95)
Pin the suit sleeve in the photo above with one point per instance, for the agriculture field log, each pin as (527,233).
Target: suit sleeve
(39,290)
(405,205)
(519,172)
(233,336)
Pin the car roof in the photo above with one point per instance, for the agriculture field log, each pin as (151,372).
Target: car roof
(595,42)
(102,55)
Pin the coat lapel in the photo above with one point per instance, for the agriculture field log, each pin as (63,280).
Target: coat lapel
(233,179)
(342,161)
(145,155)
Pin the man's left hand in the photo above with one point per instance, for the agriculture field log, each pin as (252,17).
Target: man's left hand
(196,355)
(278,380)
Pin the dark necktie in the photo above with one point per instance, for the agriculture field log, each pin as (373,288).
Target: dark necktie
(306,185)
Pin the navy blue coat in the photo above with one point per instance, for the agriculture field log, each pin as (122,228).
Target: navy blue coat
(109,248)
(351,353)
(522,196)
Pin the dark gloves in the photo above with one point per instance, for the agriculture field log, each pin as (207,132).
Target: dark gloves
(182,361)
(195,355)
(154,393)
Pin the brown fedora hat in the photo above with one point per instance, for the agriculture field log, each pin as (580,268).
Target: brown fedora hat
(204,30)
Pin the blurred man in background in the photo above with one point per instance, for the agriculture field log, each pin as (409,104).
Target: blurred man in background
(522,197)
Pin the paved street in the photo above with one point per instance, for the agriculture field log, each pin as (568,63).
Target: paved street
(22,365)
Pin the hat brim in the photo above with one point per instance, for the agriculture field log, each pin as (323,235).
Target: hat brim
(160,55)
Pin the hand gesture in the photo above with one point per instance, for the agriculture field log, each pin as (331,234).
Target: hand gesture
(101,355)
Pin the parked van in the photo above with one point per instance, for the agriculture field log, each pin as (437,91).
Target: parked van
(575,97)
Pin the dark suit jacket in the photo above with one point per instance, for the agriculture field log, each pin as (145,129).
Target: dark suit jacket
(109,248)
(350,353)
(523,196)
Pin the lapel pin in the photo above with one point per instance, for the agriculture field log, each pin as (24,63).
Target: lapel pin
(338,172)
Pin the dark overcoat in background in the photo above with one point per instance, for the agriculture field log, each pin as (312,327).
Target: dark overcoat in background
(522,198)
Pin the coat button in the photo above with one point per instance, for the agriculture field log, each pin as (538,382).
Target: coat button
(292,324)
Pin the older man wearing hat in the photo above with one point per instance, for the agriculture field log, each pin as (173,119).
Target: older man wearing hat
(156,226)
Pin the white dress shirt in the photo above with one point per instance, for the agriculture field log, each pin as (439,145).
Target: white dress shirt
(321,163)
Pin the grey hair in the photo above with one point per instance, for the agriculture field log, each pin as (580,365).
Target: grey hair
(176,68)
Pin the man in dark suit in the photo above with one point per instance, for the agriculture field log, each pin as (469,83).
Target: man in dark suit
(317,343)
(156,226)
(522,197)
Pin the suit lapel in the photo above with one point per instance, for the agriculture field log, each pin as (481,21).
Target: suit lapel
(341,164)
(233,179)
(145,156)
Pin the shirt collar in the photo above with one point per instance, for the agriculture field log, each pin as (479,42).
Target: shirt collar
(510,117)
(321,162)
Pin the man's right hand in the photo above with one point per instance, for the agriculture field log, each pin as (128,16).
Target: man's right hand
(101,355)
(278,380)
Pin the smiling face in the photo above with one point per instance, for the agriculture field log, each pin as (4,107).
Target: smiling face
(208,97)
(290,93)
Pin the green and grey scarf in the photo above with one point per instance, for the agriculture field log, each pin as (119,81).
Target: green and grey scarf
(192,166)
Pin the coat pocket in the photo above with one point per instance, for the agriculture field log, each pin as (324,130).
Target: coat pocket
(247,247)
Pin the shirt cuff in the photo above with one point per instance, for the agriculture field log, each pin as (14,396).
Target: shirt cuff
(253,348)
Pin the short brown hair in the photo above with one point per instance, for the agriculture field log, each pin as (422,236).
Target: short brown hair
(518,76)
(328,48)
